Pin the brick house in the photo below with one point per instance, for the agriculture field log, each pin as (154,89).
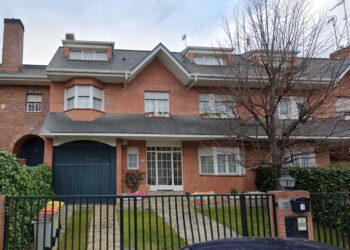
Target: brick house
(95,112)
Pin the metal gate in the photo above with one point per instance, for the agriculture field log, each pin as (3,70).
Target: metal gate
(84,168)
(130,222)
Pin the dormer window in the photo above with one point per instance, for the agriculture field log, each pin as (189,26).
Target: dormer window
(88,55)
(209,60)
(83,97)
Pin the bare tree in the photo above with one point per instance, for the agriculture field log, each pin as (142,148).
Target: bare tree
(281,91)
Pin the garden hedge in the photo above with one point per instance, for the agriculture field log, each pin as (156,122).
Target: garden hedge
(331,207)
(16,179)
(307,178)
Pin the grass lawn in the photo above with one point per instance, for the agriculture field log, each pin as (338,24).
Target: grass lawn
(257,224)
(72,237)
(149,236)
(330,237)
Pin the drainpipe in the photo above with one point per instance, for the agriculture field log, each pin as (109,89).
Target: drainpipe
(194,82)
(126,79)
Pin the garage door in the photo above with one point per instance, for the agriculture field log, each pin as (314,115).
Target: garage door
(84,168)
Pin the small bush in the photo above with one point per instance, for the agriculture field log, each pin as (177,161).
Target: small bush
(133,179)
(234,191)
(265,179)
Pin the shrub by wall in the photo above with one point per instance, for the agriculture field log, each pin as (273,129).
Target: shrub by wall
(307,178)
(15,180)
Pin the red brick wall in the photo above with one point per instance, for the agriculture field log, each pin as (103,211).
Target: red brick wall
(130,99)
(193,181)
(15,122)
(142,163)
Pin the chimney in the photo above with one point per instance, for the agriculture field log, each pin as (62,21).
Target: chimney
(70,36)
(12,50)
(341,53)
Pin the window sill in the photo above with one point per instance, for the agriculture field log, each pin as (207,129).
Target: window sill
(34,111)
(150,115)
(81,109)
(217,116)
(223,175)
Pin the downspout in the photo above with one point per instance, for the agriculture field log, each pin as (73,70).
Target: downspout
(194,82)
(126,79)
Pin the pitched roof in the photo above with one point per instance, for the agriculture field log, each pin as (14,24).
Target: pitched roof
(120,124)
(28,70)
(125,61)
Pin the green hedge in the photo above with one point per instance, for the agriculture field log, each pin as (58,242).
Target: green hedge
(307,178)
(15,180)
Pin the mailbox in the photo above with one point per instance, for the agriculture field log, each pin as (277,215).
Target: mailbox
(300,205)
(296,227)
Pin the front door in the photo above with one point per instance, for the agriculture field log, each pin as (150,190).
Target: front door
(164,168)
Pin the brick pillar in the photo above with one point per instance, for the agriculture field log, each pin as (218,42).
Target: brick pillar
(48,151)
(119,166)
(281,213)
(2,220)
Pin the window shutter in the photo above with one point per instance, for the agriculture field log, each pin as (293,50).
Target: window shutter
(157,95)
(83,90)
(70,92)
(97,93)
(34,98)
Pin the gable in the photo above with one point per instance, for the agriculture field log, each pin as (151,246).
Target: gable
(161,53)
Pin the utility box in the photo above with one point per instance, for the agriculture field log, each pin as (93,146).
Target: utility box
(296,227)
(300,205)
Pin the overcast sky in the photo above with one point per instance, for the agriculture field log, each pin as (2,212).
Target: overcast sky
(131,24)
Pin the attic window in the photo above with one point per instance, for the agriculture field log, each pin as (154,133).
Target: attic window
(209,60)
(88,55)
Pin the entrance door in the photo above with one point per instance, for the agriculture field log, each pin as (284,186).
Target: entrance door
(164,168)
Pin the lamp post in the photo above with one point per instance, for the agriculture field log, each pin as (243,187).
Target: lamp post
(287,182)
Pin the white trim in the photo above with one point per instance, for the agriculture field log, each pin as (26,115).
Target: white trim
(179,136)
(61,140)
(163,144)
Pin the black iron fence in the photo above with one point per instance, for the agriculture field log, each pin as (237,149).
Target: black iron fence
(331,218)
(130,222)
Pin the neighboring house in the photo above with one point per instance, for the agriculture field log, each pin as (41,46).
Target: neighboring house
(96,112)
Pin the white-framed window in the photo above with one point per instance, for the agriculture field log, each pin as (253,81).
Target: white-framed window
(302,157)
(209,60)
(289,107)
(83,97)
(343,107)
(133,158)
(220,161)
(217,104)
(34,103)
(88,55)
(157,103)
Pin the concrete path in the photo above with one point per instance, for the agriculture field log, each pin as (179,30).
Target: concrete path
(192,225)
(102,229)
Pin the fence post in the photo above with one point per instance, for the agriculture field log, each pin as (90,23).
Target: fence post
(2,220)
(243,207)
(121,226)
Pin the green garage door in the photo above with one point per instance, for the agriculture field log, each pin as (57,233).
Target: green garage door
(84,168)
